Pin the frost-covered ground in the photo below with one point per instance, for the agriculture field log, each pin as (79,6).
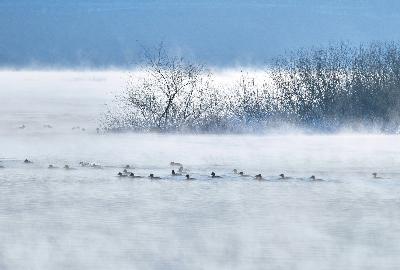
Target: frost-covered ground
(90,219)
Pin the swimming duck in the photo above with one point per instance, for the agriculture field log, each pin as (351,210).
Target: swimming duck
(235,171)
(314,179)
(215,176)
(259,177)
(51,166)
(243,175)
(84,164)
(120,174)
(22,127)
(67,167)
(173,173)
(151,176)
(126,171)
(96,166)
(189,178)
(375,175)
(27,161)
(172,163)
(134,176)
(283,176)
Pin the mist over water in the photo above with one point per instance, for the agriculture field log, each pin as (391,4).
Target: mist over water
(90,219)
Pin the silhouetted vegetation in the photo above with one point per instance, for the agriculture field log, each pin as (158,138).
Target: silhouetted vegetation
(325,89)
(340,86)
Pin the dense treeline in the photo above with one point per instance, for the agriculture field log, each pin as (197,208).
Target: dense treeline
(341,86)
(323,89)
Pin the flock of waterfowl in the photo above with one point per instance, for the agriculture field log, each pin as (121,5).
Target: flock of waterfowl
(180,172)
(47,126)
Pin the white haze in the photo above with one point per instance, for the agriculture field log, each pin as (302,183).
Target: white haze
(90,219)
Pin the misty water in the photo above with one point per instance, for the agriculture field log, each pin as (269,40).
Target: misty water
(88,218)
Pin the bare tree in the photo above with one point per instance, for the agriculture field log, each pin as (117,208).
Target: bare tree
(169,97)
(319,88)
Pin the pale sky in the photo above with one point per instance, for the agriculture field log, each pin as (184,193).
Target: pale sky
(216,32)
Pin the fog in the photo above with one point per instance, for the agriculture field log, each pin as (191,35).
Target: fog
(90,219)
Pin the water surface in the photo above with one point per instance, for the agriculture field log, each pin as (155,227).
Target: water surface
(90,219)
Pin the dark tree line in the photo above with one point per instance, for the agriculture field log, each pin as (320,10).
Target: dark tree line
(329,88)
(324,89)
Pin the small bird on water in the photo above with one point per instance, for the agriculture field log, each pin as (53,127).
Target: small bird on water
(315,179)
(284,176)
(243,175)
(375,176)
(213,175)
(67,167)
(173,163)
(189,178)
(259,177)
(151,176)
(134,176)
(173,173)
